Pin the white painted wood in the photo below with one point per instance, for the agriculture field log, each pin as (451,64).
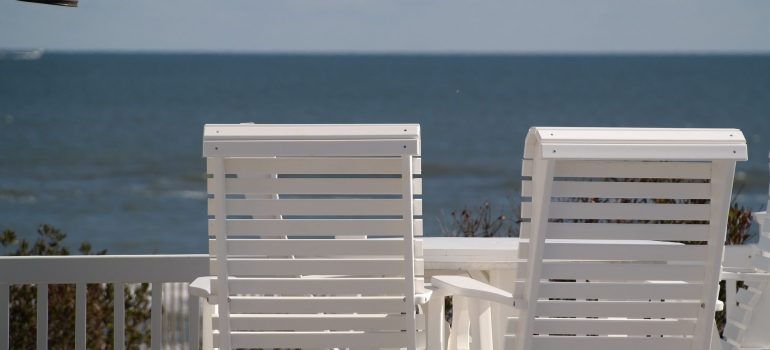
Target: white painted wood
(629,290)
(597,250)
(623,294)
(112,268)
(624,211)
(541,211)
(321,304)
(310,248)
(603,189)
(321,285)
(318,165)
(622,231)
(316,340)
(318,186)
(609,342)
(119,316)
(621,271)
(80,316)
(339,207)
(266,148)
(435,322)
(42,316)
(314,227)
(626,169)
(610,326)
(156,338)
(4,316)
(218,209)
(289,267)
(318,322)
(409,210)
(639,143)
(251,131)
(721,189)
(194,323)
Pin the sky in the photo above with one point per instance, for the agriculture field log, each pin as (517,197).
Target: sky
(391,26)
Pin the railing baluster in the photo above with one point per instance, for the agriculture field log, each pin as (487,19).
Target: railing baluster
(119,307)
(193,312)
(42,316)
(4,319)
(80,316)
(157,324)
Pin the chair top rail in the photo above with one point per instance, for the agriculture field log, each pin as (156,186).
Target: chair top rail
(251,131)
(636,143)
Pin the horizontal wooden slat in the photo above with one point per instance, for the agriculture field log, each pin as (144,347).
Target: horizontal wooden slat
(318,322)
(313,186)
(669,232)
(312,247)
(287,267)
(626,169)
(623,211)
(610,189)
(747,297)
(635,252)
(310,148)
(315,340)
(609,326)
(311,165)
(621,271)
(321,285)
(316,227)
(593,343)
(619,290)
(336,207)
(628,309)
(330,305)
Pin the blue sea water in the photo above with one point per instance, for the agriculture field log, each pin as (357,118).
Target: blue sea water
(108,146)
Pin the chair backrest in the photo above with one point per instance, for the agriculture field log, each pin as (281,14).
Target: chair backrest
(312,234)
(748,324)
(602,268)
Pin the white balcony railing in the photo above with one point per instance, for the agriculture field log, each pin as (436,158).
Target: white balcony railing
(173,272)
(175,318)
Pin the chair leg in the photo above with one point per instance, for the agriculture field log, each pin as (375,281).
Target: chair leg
(481,324)
(435,322)
(460,324)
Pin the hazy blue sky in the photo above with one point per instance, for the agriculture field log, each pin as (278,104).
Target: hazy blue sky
(391,25)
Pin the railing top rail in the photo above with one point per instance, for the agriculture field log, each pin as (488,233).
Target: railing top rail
(102,268)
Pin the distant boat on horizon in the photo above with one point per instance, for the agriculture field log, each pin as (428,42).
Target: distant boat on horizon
(21,55)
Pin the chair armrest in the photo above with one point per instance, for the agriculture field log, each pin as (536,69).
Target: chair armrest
(201,287)
(469,287)
(424,297)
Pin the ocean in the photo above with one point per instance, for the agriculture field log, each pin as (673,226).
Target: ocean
(107,146)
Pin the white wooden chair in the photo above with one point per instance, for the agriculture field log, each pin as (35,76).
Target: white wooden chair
(748,311)
(586,281)
(312,233)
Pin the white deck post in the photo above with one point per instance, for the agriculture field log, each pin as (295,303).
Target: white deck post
(119,307)
(4,319)
(42,316)
(156,335)
(80,316)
